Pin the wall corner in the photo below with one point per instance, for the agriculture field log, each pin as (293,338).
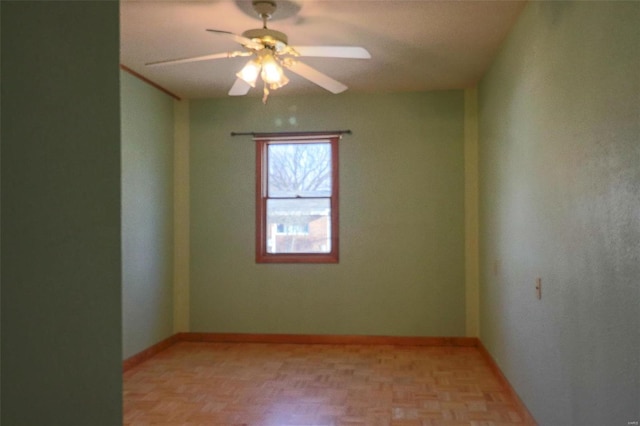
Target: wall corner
(472,291)
(181,199)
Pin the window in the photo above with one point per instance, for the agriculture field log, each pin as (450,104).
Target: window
(297,199)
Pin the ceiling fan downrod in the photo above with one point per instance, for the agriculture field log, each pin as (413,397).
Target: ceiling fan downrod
(265,10)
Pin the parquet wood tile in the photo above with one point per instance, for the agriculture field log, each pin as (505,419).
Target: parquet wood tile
(263,384)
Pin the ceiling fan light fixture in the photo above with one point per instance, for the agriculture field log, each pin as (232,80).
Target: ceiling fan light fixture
(272,73)
(250,72)
(278,84)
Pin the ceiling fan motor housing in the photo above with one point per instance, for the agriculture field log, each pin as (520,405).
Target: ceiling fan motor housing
(270,38)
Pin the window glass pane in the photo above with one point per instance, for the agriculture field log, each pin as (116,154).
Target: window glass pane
(299,226)
(299,170)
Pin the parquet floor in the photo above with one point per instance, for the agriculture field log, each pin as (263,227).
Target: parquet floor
(193,383)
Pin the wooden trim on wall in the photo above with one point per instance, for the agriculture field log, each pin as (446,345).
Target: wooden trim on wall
(146,80)
(524,411)
(329,339)
(150,352)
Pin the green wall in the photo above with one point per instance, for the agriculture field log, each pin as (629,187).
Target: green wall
(147,214)
(560,200)
(401,270)
(61,271)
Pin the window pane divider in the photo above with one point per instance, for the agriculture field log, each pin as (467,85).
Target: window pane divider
(298,198)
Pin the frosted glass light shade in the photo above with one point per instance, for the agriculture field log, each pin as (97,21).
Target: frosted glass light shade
(250,72)
(271,71)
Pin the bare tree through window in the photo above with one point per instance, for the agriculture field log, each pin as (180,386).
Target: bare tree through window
(299,170)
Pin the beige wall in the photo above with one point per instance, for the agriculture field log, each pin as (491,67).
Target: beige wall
(560,200)
(401,270)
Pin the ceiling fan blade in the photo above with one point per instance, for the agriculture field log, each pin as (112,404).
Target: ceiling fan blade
(239,88)
(247,42)
(316,77)
(198,58)
(352,52)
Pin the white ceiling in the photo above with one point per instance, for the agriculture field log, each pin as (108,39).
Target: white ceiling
(415,45)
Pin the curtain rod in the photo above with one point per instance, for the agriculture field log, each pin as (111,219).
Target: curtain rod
(292,134)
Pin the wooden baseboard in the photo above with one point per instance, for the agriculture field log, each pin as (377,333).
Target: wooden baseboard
(328,339)
(524,411)
(151,351)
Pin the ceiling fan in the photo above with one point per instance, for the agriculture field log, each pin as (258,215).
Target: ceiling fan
(269,51)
